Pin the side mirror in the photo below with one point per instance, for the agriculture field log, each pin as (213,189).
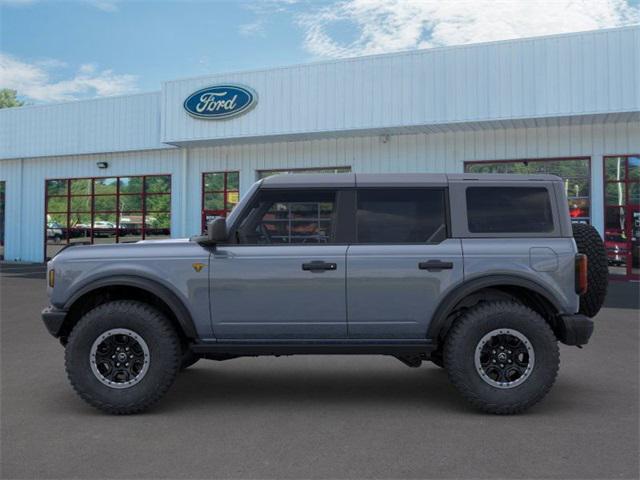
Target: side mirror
(217,230)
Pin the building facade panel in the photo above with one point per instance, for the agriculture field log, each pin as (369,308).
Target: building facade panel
(559,76)
(437,153)
(111,124)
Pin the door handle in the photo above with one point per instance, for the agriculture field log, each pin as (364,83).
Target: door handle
(435,265)
(318,266)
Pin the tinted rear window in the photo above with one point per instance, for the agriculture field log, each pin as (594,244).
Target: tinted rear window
(509,210)
(401,216)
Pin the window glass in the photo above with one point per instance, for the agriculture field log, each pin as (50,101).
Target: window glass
(57,204)
(614,168)
(81,186)
(574,172)
(106,210)
(622,214)
(105,185)
(57,220)
(220,194)
(615,193)
(291,217)
(130,203)
(80,220)
(509,210)
(214,181)
(81,204)
(634,168)
(401,216)
(214,201)
(131,185)
(105,203)
(233,180)
(158,184)
(56,187)
(634,193)
(158,203)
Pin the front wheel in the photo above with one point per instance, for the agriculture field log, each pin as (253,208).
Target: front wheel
(122,356)
(502,356)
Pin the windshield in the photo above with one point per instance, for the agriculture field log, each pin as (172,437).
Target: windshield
(232,217)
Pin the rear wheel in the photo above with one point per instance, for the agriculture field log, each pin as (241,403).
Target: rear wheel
(589,243)
(502,356)
(122,356)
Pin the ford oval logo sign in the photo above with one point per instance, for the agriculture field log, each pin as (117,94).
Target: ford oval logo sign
(220,101)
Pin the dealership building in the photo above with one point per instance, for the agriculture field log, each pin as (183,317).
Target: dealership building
(158,164)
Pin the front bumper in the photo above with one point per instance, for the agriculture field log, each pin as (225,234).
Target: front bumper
(53,319)
(574,329)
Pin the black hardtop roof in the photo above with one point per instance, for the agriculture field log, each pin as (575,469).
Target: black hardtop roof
(345,180)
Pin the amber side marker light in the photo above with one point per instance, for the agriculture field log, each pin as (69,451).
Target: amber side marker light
(52,278)
(581,274)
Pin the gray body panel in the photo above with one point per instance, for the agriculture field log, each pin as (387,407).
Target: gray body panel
(168,263)
(389,296)
(260,292)
(548,262)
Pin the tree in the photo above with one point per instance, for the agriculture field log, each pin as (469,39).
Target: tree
(8,98)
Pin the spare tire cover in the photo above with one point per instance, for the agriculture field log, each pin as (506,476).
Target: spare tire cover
(589,243)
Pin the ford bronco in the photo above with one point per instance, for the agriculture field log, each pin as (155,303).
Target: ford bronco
(480,274)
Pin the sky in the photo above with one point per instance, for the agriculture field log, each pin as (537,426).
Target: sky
(54,50)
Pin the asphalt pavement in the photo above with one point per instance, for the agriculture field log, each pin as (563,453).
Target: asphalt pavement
(315,416)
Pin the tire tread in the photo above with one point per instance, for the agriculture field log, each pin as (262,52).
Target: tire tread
(164,329)
(454,360)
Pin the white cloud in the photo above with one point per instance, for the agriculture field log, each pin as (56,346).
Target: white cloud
(35,82)
(252,28)
(391,25)
(104,5)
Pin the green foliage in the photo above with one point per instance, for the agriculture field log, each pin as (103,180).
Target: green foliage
(8,98)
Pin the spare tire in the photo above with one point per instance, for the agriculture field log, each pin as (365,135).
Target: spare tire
(589,243)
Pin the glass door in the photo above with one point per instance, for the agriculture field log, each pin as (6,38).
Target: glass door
(622,215)
(220,193)
(1,220)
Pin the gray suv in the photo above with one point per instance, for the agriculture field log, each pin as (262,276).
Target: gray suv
(479,274)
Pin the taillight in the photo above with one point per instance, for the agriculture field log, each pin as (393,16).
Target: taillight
(581,274)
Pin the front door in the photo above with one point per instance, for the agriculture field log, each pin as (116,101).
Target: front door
(401,264)
(284,275)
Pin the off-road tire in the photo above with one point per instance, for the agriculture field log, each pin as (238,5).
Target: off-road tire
(164,356)
(589,243)
(459,354)
(188,359)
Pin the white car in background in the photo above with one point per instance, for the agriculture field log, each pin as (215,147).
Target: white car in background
(102,228)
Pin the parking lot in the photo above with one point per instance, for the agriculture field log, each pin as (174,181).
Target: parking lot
(316,417)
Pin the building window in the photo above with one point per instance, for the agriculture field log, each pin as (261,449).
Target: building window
(106,210)
(575,172)
(2,187)
(268,173)
(220,193)
(622,215)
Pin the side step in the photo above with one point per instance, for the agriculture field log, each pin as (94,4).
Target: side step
(242,348)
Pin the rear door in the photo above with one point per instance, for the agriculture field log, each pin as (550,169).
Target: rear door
(401,262)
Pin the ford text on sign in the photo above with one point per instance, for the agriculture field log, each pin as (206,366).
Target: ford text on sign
(220,101)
